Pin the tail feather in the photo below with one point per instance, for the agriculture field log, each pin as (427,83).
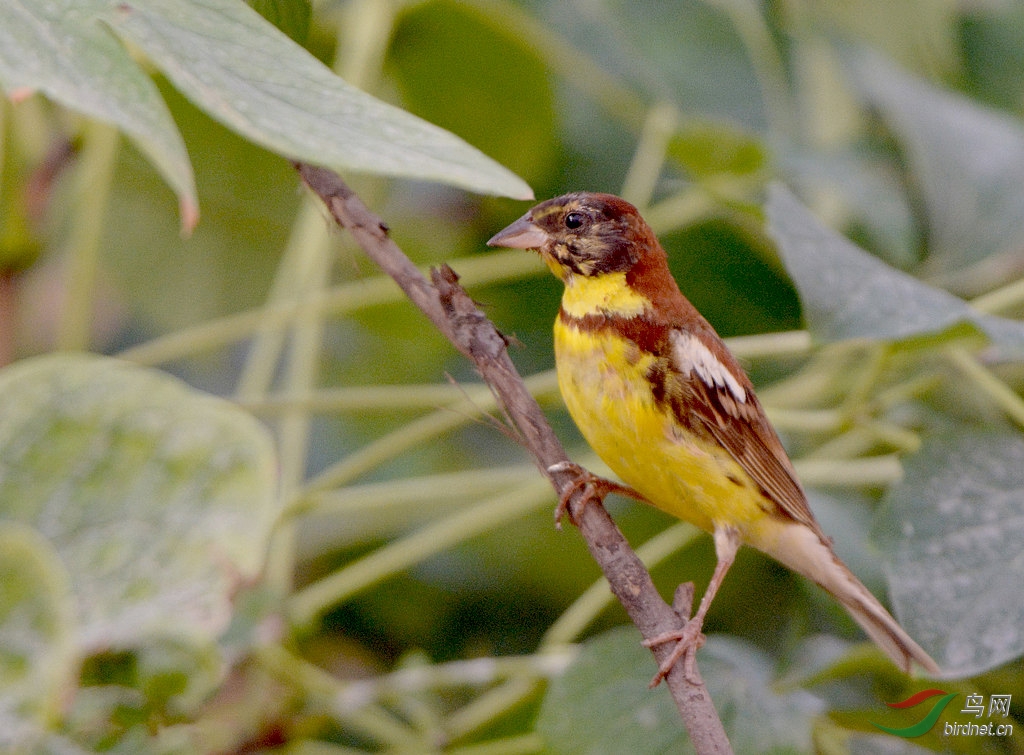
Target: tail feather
(799,548)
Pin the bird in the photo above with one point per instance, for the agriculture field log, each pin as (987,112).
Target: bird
(658,396)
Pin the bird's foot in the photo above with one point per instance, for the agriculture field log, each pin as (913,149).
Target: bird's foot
(592,488)
(688,640)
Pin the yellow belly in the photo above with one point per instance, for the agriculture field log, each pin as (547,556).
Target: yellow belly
(603,382)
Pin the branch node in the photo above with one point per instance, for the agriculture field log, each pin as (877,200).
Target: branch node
(485,342)
(682,601)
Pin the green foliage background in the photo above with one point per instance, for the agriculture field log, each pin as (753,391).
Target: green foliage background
(372,566)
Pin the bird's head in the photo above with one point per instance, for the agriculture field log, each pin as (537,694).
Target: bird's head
(583,234)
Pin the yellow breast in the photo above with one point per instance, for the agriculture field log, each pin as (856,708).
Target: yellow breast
(603,379)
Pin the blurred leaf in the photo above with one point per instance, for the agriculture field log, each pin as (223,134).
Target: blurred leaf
(876,202)
(290,16)
(847,293)
(968,161)
(38,662)
(923,34)
(687,53)
(602,704)
(993,54)
(729,280)
(451,63)
(64,50)
(241,71)
(954,529)
(707,149)
(158,499)
(249,202)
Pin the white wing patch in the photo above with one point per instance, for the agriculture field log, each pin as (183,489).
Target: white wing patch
(692,356)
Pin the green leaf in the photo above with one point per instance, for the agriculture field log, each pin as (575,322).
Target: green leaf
(847,293)
(249,76)
(63,50)
(873,198)
(602,703)
(968,161)
(242,72)
(38,662)
(158,499)
(955,530)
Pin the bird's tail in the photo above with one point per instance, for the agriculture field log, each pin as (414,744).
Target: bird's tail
(798,547)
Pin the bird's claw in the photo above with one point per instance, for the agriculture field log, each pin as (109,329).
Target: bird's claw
(688,640)
(589,484)
(582,481)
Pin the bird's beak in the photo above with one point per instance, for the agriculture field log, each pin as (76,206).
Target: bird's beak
(522,234)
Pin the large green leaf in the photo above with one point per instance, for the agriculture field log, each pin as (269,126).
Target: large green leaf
(37,655)
(847,293)
(239,69)
(874,200)
(602,703)
(62,49)
(968,161)
(157,499)
(955,530)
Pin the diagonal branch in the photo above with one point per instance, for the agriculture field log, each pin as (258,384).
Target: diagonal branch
(452,311)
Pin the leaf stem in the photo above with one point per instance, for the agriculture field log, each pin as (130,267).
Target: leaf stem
(415,491)
(495,703)
(997,391)
(649,155)
(864,376)
(308,603)
(364,36)
(387,398)
(303,272)
(769,68)
(806,420)
(684,208)
(596,598)
(871,471)
(782,344)
(93,180)
(360,398)
(476,404)
(366,718)
(496,267)
(294,428)
(300,257)
(1001,299)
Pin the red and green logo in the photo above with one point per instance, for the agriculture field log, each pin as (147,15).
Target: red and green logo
(926,723)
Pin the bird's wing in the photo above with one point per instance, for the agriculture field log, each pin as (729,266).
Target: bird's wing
(716,394)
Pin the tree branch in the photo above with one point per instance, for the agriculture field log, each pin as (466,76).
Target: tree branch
(452,311)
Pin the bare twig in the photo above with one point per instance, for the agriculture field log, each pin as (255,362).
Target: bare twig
(452,311)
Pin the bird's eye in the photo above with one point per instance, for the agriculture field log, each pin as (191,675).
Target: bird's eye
(574,220)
